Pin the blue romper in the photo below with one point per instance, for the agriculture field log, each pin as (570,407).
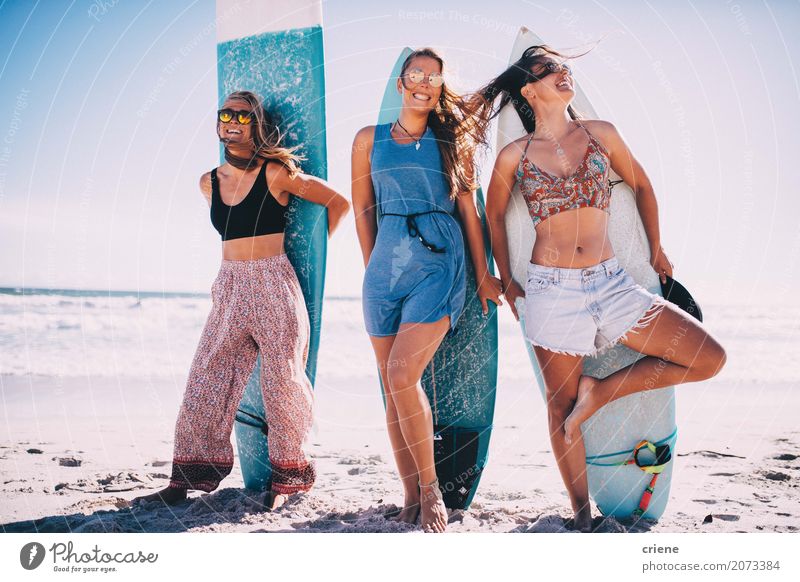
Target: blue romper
(416,272)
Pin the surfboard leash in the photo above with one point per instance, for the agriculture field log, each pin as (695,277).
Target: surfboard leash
(663,455)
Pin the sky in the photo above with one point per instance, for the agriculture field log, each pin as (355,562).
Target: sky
(107,122)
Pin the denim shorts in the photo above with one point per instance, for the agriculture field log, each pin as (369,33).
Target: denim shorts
(583,312)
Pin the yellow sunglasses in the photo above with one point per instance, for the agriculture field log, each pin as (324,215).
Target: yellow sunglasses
(228,115)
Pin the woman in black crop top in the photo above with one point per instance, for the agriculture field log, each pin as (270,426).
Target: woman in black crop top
(258,306)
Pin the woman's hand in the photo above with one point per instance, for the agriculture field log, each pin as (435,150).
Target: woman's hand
(661,264)
(490,289)
(512,293)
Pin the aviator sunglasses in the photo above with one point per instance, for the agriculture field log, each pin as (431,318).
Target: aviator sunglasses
(227,115)
(416,76)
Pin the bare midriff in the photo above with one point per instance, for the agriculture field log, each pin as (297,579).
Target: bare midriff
(253,247)
(573,240)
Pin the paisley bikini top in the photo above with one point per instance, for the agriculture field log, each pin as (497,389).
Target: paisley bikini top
(587,186)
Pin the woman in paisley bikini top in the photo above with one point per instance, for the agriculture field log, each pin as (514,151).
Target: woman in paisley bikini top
(578,300)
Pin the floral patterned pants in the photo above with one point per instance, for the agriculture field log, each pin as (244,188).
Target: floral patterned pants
(258,306)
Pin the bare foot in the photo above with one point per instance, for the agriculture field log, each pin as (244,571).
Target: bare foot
(583,520)
(585,406)
(274,500)
(410,512)
(432,509)
(167,496)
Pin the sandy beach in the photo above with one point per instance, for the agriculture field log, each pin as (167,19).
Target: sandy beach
(75,448)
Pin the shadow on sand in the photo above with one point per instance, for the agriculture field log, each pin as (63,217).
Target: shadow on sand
(224,506)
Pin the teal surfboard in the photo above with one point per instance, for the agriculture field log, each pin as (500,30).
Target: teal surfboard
(275,50)
(612,433)
(461,379)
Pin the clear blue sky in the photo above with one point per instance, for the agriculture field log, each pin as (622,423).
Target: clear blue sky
(108,121)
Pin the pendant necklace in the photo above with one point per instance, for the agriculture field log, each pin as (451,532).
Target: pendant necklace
(414,139)
(559,149)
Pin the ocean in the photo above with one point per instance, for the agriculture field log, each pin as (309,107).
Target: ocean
(84,333)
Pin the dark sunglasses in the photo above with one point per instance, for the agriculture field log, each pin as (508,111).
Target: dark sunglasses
(549,67)
(228,115)
(413,230)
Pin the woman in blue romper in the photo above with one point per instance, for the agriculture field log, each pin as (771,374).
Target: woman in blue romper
(409,178)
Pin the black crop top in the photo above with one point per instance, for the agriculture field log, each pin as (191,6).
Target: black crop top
(258,213)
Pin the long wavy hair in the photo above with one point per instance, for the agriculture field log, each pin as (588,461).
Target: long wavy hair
(265,138)
(453,126)
(507,86)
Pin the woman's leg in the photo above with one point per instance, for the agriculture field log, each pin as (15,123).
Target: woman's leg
(222,365)
(412,350)
(382,345)
(288,404)
(282,331)
(678,349)
(561,377)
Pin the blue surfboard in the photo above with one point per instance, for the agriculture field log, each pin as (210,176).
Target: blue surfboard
(275,49)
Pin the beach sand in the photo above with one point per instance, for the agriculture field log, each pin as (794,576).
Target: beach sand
(73,465)
(76,449)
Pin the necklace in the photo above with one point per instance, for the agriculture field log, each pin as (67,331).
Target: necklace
(241,163)
(414,139)
(560,153)
(559,149)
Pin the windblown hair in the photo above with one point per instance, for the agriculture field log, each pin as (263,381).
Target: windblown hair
(508,85)
(452,125)
(266,138)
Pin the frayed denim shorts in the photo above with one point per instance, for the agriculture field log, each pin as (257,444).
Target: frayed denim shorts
(583,312)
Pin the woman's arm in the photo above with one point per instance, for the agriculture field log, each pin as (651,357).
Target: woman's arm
(205,186)
(497,198)
(312,189)
(489,287)
(632,173)
(362,193)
